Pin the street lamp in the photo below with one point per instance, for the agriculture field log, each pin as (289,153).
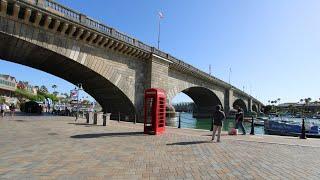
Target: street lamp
(78,88)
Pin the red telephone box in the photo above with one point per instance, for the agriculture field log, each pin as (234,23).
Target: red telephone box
(154,111)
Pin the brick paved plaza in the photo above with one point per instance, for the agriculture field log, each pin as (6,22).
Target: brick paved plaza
(55,148)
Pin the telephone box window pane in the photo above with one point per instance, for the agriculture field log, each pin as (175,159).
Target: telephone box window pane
(149,111)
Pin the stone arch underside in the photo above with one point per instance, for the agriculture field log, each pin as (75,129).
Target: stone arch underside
(204,99)
(240,103)
(254,108)
(109,96)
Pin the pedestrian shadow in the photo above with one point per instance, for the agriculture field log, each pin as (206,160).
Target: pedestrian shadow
(18,120)
(99,135)
(216,135)
(188,143)
(83,124)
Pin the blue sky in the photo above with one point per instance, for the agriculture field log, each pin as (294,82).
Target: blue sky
(272,46)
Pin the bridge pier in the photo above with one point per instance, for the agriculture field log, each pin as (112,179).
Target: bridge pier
(249,104)
(228,101)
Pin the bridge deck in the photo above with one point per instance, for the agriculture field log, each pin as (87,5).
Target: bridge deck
(54,147)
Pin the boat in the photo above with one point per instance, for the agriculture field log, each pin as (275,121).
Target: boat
(290,128)
(259,122)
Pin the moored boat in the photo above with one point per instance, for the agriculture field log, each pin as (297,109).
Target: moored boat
(259,122)
(290,128)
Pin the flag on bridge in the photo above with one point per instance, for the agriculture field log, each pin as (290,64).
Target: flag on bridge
(161,15)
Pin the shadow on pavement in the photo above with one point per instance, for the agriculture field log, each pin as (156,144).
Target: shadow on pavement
(18,120)
(120,134)
(216,135)
(83,124)
(188,143)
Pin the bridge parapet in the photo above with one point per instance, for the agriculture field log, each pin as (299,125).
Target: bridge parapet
(57,8)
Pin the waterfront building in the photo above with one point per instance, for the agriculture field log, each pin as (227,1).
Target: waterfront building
(26,86)
(312,107)
(8,85)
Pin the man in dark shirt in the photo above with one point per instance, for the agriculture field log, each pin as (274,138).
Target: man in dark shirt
(239,121)
(218,118)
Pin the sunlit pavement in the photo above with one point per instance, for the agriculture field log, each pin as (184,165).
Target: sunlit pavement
(40,147)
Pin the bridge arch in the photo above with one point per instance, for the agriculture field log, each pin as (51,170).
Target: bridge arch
(205,100)
(55,55)
(240,103)
(254,108)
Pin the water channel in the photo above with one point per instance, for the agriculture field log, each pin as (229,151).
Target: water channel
(187,121)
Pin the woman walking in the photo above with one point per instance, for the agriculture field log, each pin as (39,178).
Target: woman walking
(218,118)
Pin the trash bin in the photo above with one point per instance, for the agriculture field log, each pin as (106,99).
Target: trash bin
(98,119)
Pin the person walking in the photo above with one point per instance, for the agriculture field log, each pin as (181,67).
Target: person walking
(239,121)
(218,118)
(12,109)
(2,109)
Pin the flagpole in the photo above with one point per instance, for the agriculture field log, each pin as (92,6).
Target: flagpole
(230,76)
(159,34)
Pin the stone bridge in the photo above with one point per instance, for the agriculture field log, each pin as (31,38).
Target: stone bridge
(113,67)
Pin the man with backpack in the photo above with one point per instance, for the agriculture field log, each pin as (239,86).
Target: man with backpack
(218,118)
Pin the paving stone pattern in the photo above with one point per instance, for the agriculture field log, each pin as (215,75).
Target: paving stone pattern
(55,148)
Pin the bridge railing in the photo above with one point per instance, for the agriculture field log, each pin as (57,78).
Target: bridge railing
(122,37)
(143,46)
(62,10)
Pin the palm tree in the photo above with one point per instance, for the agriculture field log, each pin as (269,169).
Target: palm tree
(307,101)
(54,87)
(43,89)
(301,100)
